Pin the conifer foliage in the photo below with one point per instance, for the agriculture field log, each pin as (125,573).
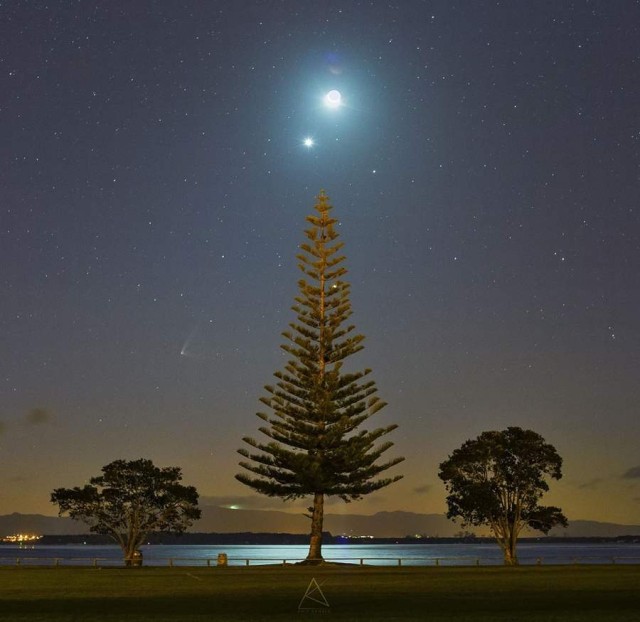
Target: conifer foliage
(316,446)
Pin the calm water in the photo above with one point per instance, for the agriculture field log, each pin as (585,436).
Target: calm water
(374,554)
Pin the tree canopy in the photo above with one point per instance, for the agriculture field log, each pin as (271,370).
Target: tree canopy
(498,479)
(130,500)
(316,445)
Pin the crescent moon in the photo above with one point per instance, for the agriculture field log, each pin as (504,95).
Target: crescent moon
(333,99)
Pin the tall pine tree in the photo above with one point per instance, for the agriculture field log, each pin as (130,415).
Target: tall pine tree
(316,447)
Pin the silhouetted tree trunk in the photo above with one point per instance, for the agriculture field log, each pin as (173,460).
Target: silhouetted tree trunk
(317,520)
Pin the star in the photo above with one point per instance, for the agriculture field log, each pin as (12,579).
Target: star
(308,142)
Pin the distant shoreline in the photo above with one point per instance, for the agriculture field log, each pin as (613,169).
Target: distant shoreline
(251,538)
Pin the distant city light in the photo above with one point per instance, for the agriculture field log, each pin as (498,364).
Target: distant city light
(21,537)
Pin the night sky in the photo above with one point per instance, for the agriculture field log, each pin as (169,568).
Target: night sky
(484,164)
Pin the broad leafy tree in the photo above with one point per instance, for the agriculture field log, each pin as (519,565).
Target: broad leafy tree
(130,500)
(498,479)
(316,445)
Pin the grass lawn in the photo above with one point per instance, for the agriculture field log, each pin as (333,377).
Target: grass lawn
(560,593)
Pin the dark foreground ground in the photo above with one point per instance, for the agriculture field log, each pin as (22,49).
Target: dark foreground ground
(562,593)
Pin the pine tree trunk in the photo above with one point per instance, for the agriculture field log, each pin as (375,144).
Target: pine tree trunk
(317,518)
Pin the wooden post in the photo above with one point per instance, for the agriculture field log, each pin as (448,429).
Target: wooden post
(222,559)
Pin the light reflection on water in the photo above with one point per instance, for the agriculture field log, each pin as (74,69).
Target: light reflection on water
(372,554)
